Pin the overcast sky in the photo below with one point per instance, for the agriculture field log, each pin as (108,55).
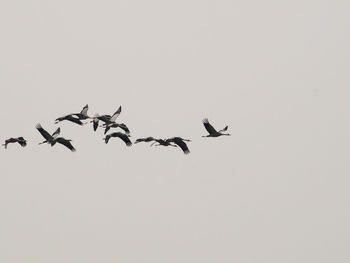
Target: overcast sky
(276,72)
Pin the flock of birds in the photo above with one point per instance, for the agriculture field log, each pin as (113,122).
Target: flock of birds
(108,122)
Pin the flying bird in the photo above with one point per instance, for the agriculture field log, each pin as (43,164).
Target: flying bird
(82,115)
(70,118)
(211,130)
(53,139)
(108,119)
(19,140)
(116,125)
(49,138)
(174,142)
(75,117)
(180,143)
(147,139)
(162,142)
(120,135)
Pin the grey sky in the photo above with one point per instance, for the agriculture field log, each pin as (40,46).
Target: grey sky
(276,72)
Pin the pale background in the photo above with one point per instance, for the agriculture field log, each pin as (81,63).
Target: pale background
(276,72)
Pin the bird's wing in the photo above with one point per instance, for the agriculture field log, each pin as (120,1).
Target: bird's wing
(63,118)
(122,136)
(72,119)
(85,110)
(116,114)
(107,129)
(56,133)
(124,128)
(95,123)
(208,126)
(43,132)
(224,129)
(104,118)
(179,142)
(107,138)
(147,139)
(21,141)
(11,140)
(66,143)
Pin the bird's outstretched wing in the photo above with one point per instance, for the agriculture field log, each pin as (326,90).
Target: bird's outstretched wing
(66,143)
(73,119)
(56,133)
(224,129)
(85,110)
(147,139)
(122,136)
(179,142)
(116,114)
(22,141)
(11,140)
(43,132)
(107,129)
(116,125)
(124,128)
(95,123)
(208,126)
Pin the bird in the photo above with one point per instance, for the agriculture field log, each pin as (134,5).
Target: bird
(53,139)
(174,142)
(70,118)
(82,115)
(180,142)
(49,138)
(147,139)
(120,135)
(75,117)
(211,130)
(108,119)
(20,140)
(162,142)
(116,125)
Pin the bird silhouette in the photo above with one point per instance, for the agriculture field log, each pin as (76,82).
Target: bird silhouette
(53,139)
(19,140)
(211,130)
(120,135)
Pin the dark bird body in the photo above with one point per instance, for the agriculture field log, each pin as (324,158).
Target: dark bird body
(19,140)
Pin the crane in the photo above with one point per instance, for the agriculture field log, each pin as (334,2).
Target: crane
(122,136)
(53,139)
(19,140)
(211,130)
